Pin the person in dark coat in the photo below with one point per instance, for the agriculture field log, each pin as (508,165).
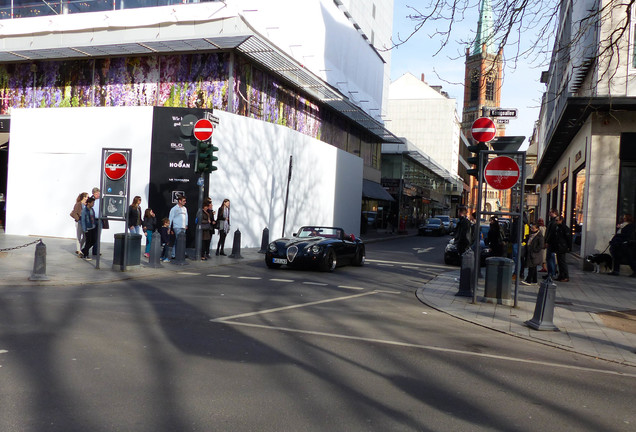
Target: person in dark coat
(550,244)
(534,253)
(495,238)
(164,232)
(207,228)
(462,232)
(223,225)
(149,224)
(563,240)
(623,244)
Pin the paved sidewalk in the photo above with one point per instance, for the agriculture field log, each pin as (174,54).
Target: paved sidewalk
(576,313)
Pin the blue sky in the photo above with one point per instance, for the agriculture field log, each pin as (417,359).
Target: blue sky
(521,86)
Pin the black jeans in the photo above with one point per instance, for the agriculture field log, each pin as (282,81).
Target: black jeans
(91,237)
(532,274)
(563,266)
(221,244)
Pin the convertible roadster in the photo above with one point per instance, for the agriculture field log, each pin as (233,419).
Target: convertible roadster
(314,246)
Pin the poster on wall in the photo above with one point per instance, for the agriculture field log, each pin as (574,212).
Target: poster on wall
(172,163)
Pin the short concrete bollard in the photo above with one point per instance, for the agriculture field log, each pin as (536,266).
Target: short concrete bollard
(155,251)
(544,308)
(264,241)
(180,249)
(39,263)
(236,246)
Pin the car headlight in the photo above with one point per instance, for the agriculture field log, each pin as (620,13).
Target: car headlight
(272,247)
(316,249)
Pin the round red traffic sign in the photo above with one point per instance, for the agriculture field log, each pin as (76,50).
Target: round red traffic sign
(203,129)
(501,173)
(115,166)
(484,129)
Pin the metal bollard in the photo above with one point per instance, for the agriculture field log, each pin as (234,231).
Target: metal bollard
(180,249)
(466,278)
(155,250)
(39,263)
(236,245)
(264,241)
(544,308)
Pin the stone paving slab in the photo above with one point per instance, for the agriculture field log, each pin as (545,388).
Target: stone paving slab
(575,314)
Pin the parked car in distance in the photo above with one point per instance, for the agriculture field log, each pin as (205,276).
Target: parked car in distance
(452,257)
(318,247)
(446,221)
(432,226)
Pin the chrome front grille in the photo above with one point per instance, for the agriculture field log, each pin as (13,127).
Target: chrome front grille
(292,251)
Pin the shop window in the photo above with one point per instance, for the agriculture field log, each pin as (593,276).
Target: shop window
(577,206)
(564,196)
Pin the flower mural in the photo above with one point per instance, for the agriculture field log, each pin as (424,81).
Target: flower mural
(182,80)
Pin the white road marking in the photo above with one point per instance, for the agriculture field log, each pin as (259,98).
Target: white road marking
(188,273)
(381,262)
(411,267)
(219,275)
(250,277)
(423,250)
(384,265)
(3,351)
(436,348)
(248,314)
(387,292)
(350,287)
(315,283)
(281,280)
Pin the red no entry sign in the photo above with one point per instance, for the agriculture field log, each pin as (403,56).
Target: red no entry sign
(203,130)
(115,166)
(483,129)
(501,173)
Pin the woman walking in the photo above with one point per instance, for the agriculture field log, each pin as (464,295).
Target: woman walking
(134,216)
(76,214)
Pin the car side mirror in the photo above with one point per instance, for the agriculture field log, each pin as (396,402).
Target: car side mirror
(295,234)
(352,237)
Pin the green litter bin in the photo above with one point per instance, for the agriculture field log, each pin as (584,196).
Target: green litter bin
(498,280)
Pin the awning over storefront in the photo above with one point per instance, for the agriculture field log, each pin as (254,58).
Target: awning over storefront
(373,190)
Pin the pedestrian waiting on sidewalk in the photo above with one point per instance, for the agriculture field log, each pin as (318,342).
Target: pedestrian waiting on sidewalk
(623,246)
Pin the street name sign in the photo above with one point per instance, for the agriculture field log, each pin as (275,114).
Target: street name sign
(503,112)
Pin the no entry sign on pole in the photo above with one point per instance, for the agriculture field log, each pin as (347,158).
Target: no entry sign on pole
(203,130)
(502,173)
(483,129)
(115,166)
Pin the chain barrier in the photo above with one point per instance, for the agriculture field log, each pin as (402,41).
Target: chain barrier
(20,247)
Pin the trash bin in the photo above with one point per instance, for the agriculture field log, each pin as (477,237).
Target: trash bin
(134,250)
(498,280)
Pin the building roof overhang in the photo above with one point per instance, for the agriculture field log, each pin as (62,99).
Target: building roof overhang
(233,33)
(574,115)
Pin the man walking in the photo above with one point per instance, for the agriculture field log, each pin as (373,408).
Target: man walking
(463,237)
(178,219)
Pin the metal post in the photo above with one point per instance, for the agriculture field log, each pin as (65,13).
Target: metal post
(480,182)
(287,195)
(198,234)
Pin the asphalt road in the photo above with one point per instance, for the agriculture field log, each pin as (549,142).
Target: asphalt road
(245,348)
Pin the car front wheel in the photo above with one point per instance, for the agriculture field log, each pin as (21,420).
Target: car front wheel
(329,262)
(359,258)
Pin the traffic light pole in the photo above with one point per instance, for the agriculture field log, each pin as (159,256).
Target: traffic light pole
(477,233)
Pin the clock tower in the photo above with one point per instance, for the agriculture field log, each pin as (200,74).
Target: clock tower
(482,88)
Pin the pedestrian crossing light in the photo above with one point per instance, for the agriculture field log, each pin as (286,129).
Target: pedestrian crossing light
(474,160)
(205,157)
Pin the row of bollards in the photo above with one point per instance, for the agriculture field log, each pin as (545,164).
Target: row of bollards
(156,251)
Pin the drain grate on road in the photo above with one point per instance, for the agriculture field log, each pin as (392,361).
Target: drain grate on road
(620,320)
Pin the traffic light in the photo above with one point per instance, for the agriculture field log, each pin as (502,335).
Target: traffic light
(205,157)
(476,149)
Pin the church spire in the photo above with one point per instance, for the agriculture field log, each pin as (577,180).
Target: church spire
(484,30)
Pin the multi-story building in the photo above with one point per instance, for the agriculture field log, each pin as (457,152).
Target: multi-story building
(312,70)
(586,140)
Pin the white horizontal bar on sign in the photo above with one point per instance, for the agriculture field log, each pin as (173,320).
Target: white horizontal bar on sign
(502,173)
(484,129)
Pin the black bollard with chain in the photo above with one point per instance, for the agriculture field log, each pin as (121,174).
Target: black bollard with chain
(39,263)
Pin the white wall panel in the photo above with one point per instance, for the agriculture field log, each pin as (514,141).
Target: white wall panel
(49,165)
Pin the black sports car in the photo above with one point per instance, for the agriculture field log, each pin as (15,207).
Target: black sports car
(314,246)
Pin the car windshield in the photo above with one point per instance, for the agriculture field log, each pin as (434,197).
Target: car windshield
(433,221)
(444,218)
(305,232)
